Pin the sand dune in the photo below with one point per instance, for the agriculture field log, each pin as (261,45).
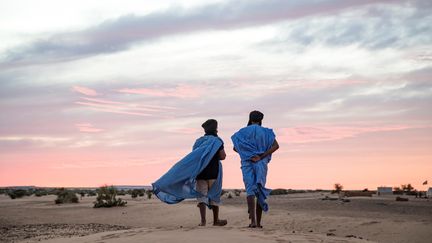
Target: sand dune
(292,218)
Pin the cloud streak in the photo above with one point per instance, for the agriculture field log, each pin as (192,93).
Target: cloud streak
(85,90)
(312,134)
(180,91)
(88,128)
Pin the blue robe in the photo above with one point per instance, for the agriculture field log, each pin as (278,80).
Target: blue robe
(249,141)
(179,182)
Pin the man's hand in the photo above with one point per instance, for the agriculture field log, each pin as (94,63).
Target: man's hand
(256,158)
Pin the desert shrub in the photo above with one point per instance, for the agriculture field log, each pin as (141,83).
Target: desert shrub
(91,193)
(137,192)
(40,193)
(149,194)
(66,196)
(19,193)
(224,192)
(237,192)
(279,192)
(107,198)
(121,192)
(230,196)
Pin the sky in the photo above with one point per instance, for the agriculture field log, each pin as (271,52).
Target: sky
(115,92)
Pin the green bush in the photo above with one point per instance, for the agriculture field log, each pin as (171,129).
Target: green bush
(66,196)
(137,192)
(107,198)
(19,193)
(40,193)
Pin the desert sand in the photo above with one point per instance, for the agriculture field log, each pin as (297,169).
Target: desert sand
(302,217)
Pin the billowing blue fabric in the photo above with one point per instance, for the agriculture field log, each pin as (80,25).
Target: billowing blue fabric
(249,141)
(179,182)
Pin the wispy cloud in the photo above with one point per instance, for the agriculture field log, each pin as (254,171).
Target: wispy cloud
(127,108)
(33,141)
(88,127)
(180,91)
(84,90)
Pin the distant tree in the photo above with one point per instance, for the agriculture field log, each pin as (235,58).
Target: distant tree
(407,188)
(338,187)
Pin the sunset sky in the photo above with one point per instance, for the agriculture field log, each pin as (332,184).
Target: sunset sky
(114,92)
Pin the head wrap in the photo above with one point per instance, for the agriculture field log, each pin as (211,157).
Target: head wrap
(210,126)
(255,117)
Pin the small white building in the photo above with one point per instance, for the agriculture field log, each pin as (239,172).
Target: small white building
(384,190)
(429,192)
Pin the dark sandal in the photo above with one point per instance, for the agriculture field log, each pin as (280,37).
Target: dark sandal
(220,222)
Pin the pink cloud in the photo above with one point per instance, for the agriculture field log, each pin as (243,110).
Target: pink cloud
(180,91)
(103,101)
(122,112)
(329,133)
(186,130)
(87,127)
(117,109)
(85,90)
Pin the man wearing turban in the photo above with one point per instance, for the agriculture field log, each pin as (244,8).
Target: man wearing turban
(255,145)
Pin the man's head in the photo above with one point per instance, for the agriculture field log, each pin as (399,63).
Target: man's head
(210,126)
(255,117)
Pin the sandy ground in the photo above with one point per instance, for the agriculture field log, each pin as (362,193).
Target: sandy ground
(292,218)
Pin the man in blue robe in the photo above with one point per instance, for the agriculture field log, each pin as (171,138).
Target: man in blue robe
(198,175)
(255,145)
